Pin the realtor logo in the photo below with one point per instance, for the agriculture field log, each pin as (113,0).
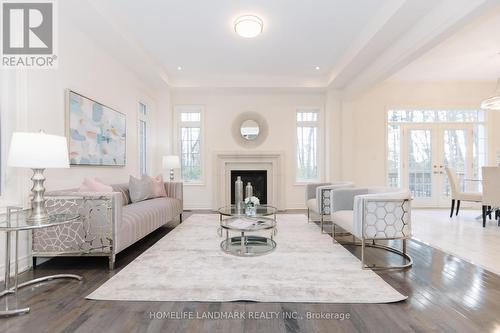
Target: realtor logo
(28,34)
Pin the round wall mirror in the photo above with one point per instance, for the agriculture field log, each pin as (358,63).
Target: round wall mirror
(249,130)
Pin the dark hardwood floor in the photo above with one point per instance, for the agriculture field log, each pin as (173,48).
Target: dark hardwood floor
(446,294)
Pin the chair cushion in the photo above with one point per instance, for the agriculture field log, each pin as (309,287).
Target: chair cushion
(312,204)
(470,196)
(344,219)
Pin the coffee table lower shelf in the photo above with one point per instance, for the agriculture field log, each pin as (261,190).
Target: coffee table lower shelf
(251,246)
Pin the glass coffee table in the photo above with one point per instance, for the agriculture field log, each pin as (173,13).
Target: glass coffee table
(245,245)
(260,211)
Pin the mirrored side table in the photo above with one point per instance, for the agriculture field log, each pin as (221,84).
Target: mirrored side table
(12,222)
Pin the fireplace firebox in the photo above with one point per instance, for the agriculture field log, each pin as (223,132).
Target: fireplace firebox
(258,179)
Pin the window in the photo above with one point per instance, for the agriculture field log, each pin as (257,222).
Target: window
(432,116)
(190,130)
(143,138)
(307,144)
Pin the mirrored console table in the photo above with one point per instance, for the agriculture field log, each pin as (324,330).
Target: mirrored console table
(12,222)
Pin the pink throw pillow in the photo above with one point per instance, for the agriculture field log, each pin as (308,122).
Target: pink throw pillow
(159,187)
(93,185)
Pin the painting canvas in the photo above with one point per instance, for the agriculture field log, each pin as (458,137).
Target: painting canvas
(97,133)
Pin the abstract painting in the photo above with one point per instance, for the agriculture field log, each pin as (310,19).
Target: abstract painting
(97,133)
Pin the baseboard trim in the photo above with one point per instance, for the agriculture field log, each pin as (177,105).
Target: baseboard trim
(25,264)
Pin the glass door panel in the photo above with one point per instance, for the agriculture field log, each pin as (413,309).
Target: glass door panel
(455,153)
(420,163)
(428,149)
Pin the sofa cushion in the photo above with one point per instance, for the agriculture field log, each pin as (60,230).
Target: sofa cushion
(159,187)
(123,189)
(141,218)
(94,185)
(140,189)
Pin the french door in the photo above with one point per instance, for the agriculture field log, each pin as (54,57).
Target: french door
(426,149)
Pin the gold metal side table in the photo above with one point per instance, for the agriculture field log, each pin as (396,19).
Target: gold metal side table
(14,221)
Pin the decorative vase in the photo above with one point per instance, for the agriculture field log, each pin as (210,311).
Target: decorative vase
(249,190)
(238,193)
(251,210)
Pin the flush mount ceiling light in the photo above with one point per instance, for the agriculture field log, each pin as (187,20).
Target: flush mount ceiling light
(248,26)
(492,103)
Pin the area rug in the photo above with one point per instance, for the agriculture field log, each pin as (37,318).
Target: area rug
(188,265)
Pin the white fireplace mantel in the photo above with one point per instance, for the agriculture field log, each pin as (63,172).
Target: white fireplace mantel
(270,161)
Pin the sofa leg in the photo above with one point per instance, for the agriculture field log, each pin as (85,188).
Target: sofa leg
(452,207)
(404,246)
(112,262)
(308,216)
(321,223)
(458,206)
(180,218)
(34,262)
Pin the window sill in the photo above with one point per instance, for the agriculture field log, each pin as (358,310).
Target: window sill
(193,183)
(304,183)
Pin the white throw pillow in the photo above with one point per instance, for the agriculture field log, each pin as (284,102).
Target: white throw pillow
(141,189)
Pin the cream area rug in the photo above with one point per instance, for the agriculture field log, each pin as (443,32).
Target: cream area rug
(188,265)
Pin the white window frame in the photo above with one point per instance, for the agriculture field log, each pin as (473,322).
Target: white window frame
(320,145)
(143,117)
(178,109)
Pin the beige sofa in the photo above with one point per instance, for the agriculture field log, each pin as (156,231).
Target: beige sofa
(109,221)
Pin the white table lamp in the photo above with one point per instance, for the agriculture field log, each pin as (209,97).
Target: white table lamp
(171,162)
(38,151)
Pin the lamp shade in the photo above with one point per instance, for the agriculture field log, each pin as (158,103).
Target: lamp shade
(171,162)
(492,103)
(38,151)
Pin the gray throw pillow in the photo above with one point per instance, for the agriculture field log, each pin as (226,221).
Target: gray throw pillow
(140,189)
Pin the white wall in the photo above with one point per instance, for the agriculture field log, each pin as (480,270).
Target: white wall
(355,135)
(35,99)
(363,153)
(221,108)
(86,69)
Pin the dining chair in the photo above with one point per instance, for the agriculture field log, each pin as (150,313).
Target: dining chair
(491,192)
(456,192)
